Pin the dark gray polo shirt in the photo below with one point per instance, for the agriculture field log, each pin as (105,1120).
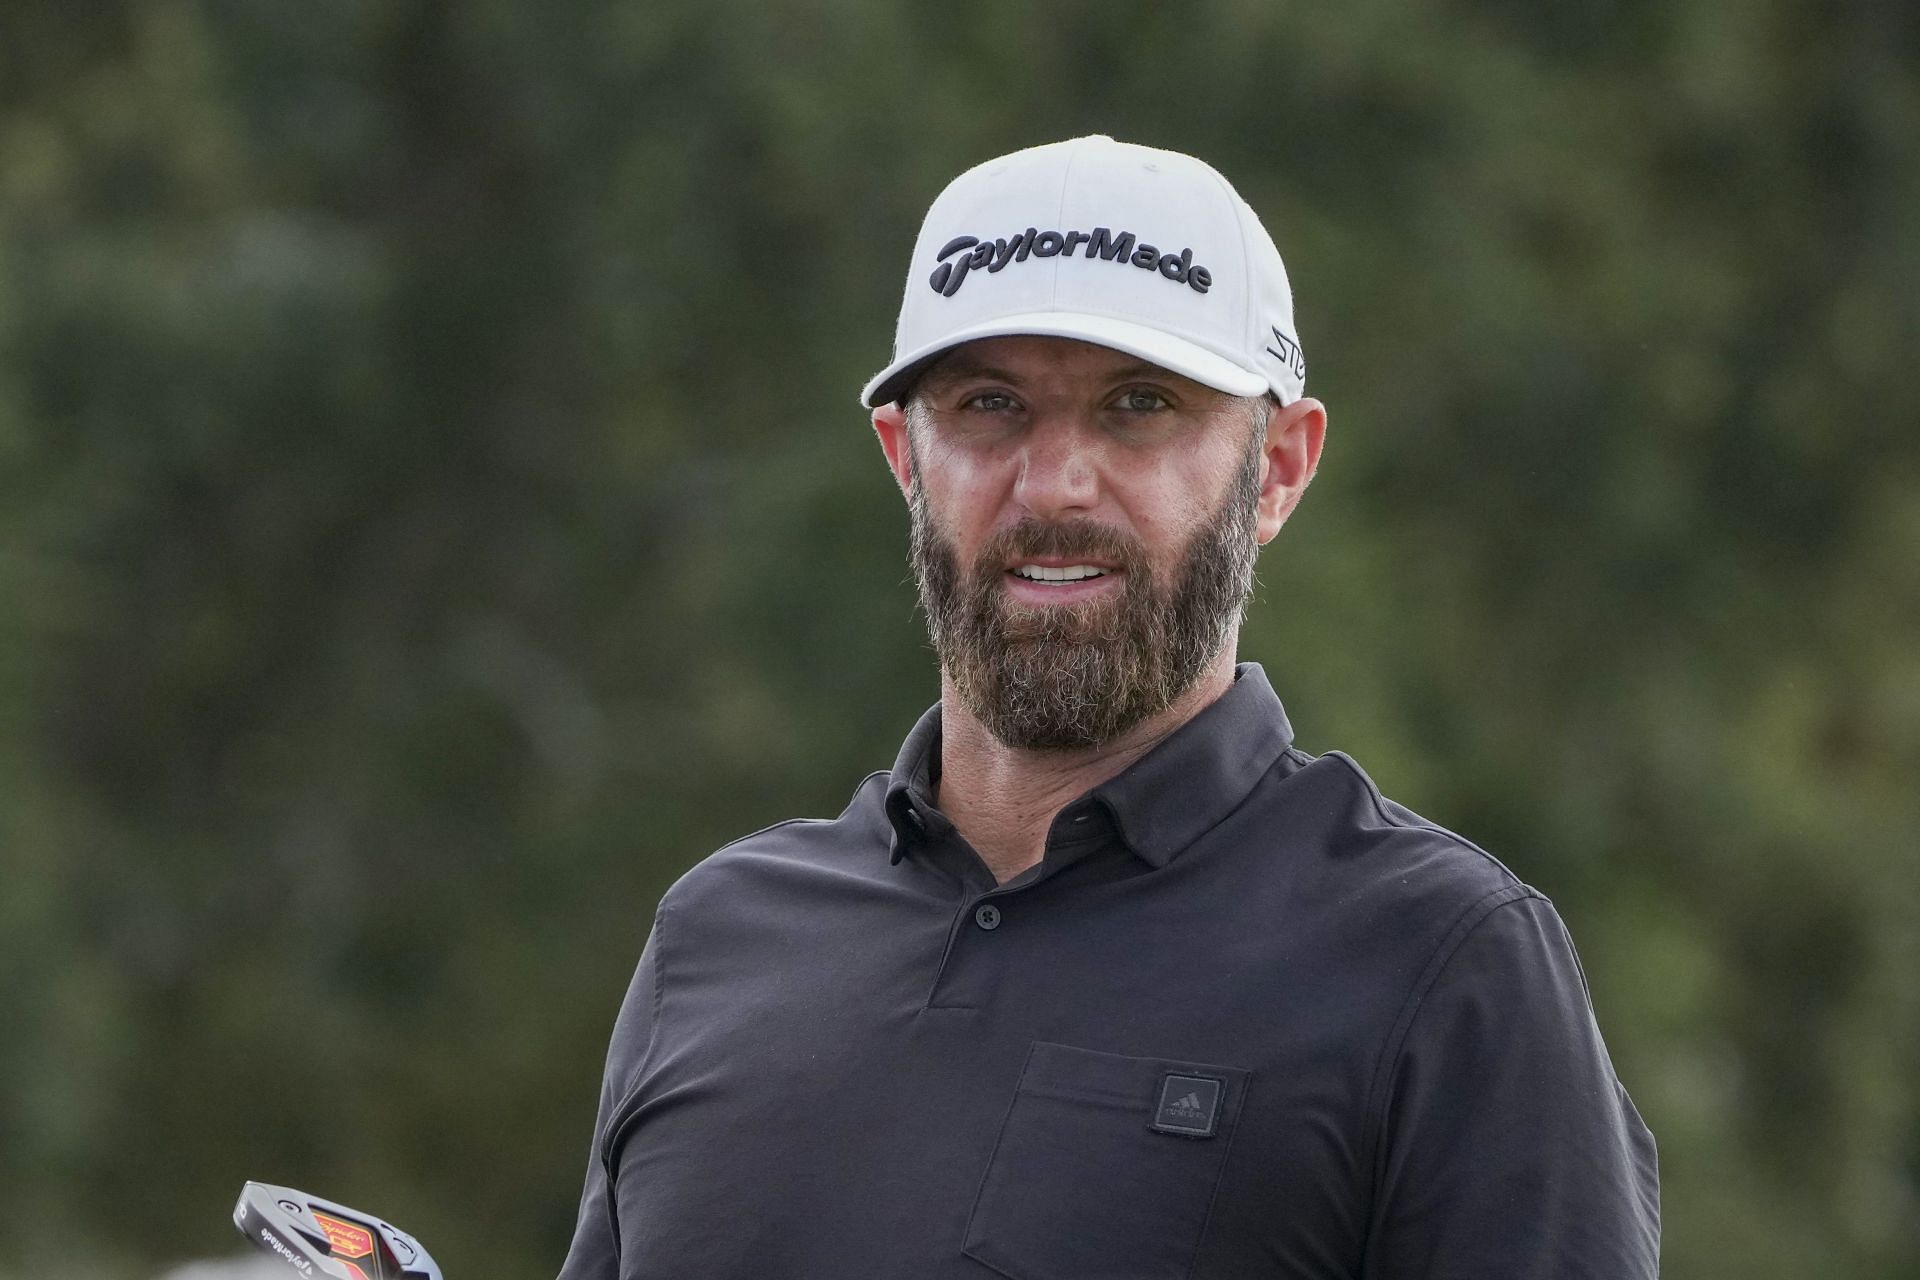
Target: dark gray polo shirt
(1246,1018)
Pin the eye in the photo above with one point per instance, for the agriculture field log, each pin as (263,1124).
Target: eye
(988,402)
(1142,400)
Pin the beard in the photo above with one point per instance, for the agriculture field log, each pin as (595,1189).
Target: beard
(1075,675)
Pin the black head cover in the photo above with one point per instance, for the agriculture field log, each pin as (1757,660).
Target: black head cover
(319,1238)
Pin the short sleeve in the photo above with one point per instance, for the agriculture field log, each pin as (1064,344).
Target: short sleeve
(595,1253)
(1507,1146)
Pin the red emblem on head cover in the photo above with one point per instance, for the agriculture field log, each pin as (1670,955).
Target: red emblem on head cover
(346,1239)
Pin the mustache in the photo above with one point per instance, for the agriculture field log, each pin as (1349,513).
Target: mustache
(1033,536)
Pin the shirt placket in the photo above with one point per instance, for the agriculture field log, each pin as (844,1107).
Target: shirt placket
(987,921)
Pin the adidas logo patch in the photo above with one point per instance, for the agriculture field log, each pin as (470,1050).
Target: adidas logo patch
(1189,1105)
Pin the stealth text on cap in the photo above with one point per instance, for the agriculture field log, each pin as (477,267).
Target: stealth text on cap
(1101,242)
(1287,352)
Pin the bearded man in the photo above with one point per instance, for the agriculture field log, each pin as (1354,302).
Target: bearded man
(1106,978)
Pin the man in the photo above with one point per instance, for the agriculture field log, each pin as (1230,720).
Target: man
(1105,978)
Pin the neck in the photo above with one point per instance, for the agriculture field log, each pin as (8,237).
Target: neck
(1003,799)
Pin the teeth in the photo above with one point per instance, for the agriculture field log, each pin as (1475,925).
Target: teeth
(1067,573)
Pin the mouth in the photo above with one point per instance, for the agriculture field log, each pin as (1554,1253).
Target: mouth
(1060,573)
(1032,581)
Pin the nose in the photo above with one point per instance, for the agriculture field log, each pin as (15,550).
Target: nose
(1059,469)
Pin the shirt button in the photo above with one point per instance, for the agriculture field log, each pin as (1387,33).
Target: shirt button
(987,916)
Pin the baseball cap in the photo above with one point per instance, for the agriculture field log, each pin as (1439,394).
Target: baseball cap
(1146,251)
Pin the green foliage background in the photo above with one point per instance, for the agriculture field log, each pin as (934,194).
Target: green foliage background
(434,512)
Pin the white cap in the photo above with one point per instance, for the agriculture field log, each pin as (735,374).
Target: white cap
(1149,252)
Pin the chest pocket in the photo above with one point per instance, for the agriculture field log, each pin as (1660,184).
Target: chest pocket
(1082,1184)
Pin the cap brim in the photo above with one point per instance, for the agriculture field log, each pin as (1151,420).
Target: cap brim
(1188,359)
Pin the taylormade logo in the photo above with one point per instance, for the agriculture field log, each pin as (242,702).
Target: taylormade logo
(1121,250)
(278,1246)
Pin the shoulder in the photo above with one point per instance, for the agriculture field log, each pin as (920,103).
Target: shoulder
(1381,860)
(1363,891)
(1473,944)
(786,856)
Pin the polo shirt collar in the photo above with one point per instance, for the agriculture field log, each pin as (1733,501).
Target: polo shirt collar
(1158,805)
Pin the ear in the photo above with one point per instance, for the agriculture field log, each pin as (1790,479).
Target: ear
(1295,433)
(890,424)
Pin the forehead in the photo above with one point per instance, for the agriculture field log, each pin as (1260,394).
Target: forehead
(1024,359)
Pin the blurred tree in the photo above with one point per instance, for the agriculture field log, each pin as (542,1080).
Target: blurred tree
(436,514)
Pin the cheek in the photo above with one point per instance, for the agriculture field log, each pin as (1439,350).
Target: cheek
(960,509)
(965,482)
(1177,504)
